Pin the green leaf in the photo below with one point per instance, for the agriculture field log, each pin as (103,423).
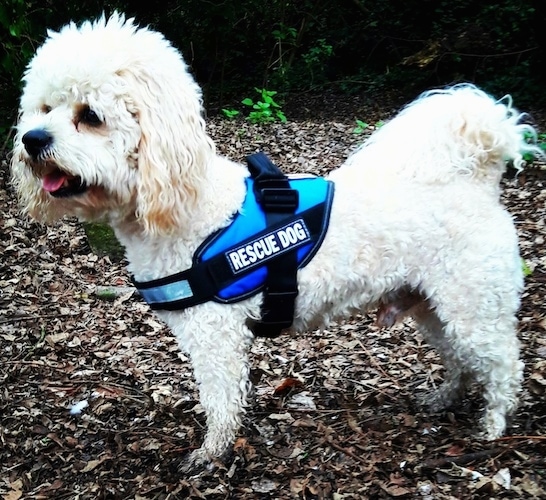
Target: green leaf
(230,113)
(281,116)
(527,271)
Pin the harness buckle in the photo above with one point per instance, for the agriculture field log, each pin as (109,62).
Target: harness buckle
(275,199)
(278,308)
(277,313)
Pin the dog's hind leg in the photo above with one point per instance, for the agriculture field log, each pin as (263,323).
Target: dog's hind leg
(411,303)
(218,347)
(500,372)
(455,380)
(481,345)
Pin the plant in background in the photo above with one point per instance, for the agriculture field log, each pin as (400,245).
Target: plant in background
(540,142)
(315,59)
(266,110)
(360,126)
(16,36)
(23,26)
(230,114)
(527,271)
(17,41)
(286,41)
(363,126)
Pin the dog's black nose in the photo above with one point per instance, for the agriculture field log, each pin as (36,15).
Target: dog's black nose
(36,141)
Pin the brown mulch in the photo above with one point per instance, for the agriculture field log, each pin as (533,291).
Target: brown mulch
(334,415)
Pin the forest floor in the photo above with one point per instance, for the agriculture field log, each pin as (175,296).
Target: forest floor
(334,415)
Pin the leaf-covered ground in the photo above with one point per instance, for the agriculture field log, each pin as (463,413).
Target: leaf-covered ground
(334,414)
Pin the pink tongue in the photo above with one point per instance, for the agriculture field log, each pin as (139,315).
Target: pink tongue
(54,181)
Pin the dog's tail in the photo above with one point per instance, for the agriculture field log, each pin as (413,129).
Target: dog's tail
(455,132)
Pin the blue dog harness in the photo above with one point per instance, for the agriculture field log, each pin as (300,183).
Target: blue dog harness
(279,228)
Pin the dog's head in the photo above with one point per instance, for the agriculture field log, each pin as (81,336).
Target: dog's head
(110,126)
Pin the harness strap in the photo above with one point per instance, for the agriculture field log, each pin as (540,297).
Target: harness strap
(273,192)
(271,187)
(201,282)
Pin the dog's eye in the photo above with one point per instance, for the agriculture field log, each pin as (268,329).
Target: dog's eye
(89,117)
(45,109)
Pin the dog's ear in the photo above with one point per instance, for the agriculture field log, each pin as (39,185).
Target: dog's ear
(174,148)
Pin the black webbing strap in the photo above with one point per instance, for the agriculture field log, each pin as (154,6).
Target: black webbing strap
(277,198)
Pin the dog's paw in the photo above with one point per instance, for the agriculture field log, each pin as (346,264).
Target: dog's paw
(438,401)
(197,461)
(492,425)
(201,461)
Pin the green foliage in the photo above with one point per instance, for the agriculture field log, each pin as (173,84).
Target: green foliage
(285,34)
(360,127)
(317,56)
(286,42)
(230,114)
(527,271)
(23,27)
(539,140)
(17,31)
(16,28)
(379,49)
(266,110)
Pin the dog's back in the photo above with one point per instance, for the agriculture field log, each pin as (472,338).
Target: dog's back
(454,133)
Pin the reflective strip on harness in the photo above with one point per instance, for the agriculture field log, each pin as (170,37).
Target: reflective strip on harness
(169,292)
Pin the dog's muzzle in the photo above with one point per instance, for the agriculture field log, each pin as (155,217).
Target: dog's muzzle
(57,182)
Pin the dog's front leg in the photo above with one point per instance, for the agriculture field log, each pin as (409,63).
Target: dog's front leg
(217,341)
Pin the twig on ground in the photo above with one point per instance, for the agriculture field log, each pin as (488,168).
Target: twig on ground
(346,451)
(435,463)
(515,438)
(113,292)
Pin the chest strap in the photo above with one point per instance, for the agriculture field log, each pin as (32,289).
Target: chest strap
(277,199)
(201,282)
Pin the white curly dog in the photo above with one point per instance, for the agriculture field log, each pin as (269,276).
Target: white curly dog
(111,128)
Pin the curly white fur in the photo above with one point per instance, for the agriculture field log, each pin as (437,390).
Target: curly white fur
(416,225)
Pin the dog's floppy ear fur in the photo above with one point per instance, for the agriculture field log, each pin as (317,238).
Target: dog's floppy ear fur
(174,149)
